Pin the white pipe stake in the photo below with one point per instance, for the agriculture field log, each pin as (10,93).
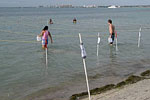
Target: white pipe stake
(139,40)
(80,38)
(83,52)
(97,50)
(116,45)
(85,70)
(46,57)
(99,39)
(98,42)
(87,83)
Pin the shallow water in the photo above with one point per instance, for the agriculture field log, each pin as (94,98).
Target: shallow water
(23,73)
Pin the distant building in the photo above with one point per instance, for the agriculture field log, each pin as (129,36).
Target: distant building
(89,6)
(41,6)
(64,6)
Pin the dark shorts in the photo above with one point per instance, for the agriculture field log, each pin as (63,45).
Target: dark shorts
(113,38)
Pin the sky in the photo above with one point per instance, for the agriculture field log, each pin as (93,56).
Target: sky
(35,3)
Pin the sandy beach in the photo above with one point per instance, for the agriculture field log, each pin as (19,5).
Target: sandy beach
(137,91)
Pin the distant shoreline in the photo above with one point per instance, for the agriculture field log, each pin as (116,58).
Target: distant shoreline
(70,6)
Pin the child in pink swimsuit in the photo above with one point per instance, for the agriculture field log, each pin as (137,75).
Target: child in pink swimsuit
(45,33)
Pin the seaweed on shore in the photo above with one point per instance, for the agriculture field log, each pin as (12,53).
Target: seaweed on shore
(120,84)
(102,89)
(133,79)
(130,80)
(146,73)
(93,91)
(76,96)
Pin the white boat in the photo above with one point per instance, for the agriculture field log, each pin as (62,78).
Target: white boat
(113,6)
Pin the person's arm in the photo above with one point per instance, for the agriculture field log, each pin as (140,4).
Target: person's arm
(110,30)
(50,37)
(41,34)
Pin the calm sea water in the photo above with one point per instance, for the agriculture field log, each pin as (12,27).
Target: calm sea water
(23,73)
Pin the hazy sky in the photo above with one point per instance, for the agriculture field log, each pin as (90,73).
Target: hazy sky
(14,3)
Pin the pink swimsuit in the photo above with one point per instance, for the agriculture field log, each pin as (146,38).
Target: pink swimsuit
(45,35)
(45,38)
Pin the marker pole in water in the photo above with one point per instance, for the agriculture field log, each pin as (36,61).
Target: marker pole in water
(83,55)
(46,50)
(98,42)
(46,67)
(116,44)
(139,40)
(116,41)
(46,57)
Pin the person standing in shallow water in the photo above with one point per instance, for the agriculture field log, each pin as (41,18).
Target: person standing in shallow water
(111,31)
(74,20)
(50,21)
(44,34)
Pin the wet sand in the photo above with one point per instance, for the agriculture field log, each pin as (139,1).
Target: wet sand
(137,91)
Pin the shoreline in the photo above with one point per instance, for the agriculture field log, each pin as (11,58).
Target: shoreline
(96,80)
(125,6)
(137,91)
(98,92)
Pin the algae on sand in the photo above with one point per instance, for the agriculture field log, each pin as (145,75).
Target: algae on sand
(146,73)
(130,80)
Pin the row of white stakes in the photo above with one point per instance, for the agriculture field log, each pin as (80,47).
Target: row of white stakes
(83,55)
(99,40)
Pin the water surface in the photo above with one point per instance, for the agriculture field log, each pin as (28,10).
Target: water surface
(23,73)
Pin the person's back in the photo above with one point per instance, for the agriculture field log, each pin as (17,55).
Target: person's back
(111,30)
(45,34)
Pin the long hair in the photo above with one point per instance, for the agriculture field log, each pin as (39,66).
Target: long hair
(45,28)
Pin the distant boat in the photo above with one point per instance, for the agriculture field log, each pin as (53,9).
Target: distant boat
(112,6)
